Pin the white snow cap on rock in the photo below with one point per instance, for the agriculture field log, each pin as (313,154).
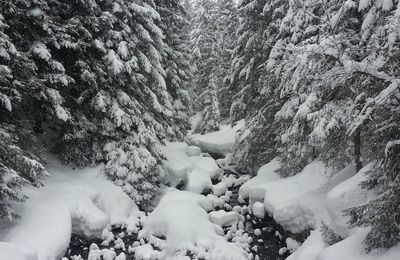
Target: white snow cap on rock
(193,150)
(224,219)
(258,210)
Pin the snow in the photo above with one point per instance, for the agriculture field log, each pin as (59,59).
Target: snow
(255,186)
(259,210)
(344,192)
(81,201)
(223,218)
(220,142)
(193,150)
(9,251)
(186,226)
(345,195)
(219,189)
(314,248)
(195,171)
(144,252)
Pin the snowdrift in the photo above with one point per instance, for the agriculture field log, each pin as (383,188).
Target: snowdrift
(81,201)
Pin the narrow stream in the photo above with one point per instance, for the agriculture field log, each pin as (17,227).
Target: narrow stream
(264,236)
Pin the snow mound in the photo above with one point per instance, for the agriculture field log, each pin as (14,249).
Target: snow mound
(297,202)
(81,201)
(345,192)
(186,226)
(314,248)
(9,251)
(220,142)
(195,171)
(253,189)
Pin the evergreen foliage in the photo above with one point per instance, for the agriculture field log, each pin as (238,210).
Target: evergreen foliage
(103,81)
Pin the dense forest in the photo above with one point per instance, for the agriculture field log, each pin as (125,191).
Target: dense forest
(110,81)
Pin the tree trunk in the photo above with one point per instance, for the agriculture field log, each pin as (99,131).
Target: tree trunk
(357,150)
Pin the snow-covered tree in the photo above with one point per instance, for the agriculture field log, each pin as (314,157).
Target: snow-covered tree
(103,81)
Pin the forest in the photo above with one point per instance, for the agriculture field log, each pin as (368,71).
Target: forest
(199,129)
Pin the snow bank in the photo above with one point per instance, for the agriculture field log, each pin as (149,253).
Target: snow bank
(184,222)
(298,202)
(220,142)
(195,171)
(345,192)
(314,248)
(9,251)
(255,186)
(81,201)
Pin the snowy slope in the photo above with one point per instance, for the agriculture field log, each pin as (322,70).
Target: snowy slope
(81,201)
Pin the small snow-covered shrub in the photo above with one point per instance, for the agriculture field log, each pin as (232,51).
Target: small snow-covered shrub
(329,235)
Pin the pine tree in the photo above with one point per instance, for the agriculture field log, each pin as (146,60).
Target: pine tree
(205,55)
(175,26)
(227,21)
(211,115)
(103,81)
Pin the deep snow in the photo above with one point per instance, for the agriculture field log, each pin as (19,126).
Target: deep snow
(186,224)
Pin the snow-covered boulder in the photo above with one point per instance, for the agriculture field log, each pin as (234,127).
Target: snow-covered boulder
(207,164)
(223,218)
(198,181)
(196,171)
(219,189)
(193,150)
(258,210)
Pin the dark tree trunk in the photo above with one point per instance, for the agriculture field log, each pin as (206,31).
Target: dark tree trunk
(357,150)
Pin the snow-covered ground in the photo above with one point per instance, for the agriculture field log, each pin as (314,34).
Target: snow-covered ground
(220,142)
(80,201)
(304,201)
(186,224)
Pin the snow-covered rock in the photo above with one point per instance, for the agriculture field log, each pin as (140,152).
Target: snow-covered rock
(219,189)
(195,171)
(223,218)
(207,164)
(144,252)
(193,150)
(258,210)
(220,142)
